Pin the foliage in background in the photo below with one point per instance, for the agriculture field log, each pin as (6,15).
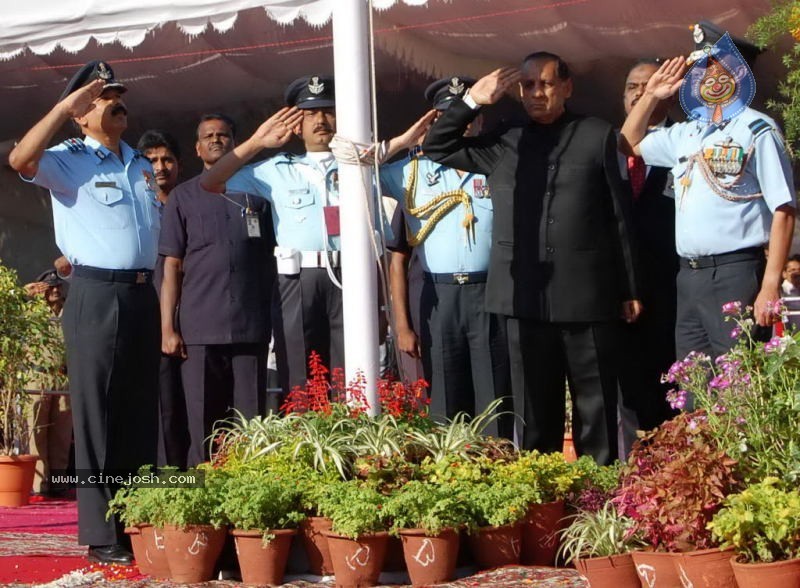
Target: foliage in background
(782,21)
(751,399)
(427,506)
(31,349)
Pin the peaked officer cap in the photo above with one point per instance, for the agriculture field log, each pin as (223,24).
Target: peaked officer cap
(441,93)
(94,70)
(706,34)
(311,92)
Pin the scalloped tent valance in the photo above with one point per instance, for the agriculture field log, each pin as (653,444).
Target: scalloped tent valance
(44,25)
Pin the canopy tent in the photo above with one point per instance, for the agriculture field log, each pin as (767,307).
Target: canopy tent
(201,54)
(210,54)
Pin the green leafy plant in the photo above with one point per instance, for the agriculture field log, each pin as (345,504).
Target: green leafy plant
(495,503)
(751,399)
(354,508)
(782,21)
(31,348)
(430,507)
(596,484)
(137,505)
(600,533)
(762,523)
(257,501)
(674,481)
(201,505)
(548,475)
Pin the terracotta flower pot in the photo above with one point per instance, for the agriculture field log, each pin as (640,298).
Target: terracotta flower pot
(656,569)
(540,533)
(616,571)
(312,531)
(430,560)
(494,547)
(357,563)
(16,479)
(705,568)
(777,574)
(138,548)
(155,554)
(263,564)
(192,552)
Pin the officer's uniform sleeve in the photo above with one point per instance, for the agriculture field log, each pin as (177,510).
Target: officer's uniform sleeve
(773,170)
(398,240)
(251,179)
(660,146)
(172,239)
(55,173)
(392,179)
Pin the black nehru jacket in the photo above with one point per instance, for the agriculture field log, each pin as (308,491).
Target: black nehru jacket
(228,276)
(560,238)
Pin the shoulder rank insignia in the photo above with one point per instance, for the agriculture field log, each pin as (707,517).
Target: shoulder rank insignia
(75,145)
(432,178)
(314,86)
(759,127)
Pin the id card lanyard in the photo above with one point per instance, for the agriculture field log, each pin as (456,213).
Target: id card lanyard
(249,215)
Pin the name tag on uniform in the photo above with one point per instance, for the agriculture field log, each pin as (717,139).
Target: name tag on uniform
(253,225)
(105,184)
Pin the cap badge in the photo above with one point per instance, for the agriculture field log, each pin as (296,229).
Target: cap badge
(456,86)
(103,71)
(697,34)
(315,87)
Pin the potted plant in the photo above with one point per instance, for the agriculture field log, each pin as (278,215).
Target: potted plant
(599,543)
(550,478)
(30,346)
(428,517)
(674,481)
(263,511)
(358,538)
(194,522)
(137,508)
(762,525)
(496,508)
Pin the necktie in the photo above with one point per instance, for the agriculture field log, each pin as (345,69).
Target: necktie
(637,173)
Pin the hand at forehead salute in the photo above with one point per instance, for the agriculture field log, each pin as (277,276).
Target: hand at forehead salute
(81,101)
(490,88)
(278,129)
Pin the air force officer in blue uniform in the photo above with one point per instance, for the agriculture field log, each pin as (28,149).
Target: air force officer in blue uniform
(106,223)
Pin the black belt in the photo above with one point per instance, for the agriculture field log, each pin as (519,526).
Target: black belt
(109,275)
(457,278)
(747,254)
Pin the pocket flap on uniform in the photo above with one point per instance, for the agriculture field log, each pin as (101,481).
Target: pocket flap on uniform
(107,196)
(299,198)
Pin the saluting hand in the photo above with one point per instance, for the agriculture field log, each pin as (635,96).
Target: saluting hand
(277,129)
(491,87)
(81,101)
(667,79)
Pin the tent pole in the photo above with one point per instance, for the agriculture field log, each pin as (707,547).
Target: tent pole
(359,273)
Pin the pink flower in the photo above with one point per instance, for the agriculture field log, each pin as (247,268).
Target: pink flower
(732,308)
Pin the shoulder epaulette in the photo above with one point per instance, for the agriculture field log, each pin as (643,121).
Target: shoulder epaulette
(75,145)
(759,127)
(415,152)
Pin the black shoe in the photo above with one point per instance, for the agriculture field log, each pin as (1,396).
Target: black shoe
(110,554)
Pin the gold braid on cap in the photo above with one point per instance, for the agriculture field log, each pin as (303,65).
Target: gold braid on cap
(441,205)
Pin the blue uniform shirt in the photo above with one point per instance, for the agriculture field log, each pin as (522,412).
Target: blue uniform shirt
(299,188)
(449,247)
(104,212)
(705,222)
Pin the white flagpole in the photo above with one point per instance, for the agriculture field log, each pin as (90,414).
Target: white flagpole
(359,274)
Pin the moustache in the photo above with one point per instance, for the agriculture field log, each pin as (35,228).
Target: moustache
(119,109)
(322,129)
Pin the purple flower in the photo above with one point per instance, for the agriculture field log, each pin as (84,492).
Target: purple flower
(772,345)
(719,409)
(677,399)
(736,332)
(719,382)
(732,308)
(740,420)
